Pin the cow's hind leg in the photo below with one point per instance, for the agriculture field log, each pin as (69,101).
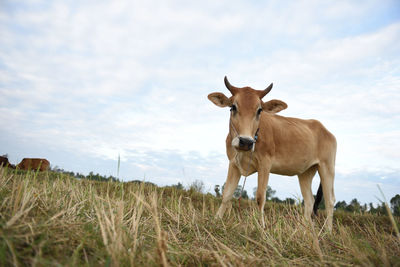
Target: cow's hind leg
(230,185)
(327,174)
(305,180)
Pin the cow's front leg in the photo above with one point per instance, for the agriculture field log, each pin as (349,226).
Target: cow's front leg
(263,177)
(230,185)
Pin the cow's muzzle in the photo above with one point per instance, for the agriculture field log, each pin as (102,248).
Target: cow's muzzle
(244,143)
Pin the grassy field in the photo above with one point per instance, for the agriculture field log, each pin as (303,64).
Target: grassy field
(50,219)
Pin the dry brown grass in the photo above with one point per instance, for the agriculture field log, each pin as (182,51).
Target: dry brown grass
(52,219)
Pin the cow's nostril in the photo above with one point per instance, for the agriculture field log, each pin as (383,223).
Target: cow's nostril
(245,142)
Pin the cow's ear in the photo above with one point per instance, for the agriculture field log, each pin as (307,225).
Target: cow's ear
(274,106)
(220,100)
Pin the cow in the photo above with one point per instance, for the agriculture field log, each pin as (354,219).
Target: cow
(5,163)
(261,141)
(34,164)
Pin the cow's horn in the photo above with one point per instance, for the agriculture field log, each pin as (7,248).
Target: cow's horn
(265,91)
(230,87)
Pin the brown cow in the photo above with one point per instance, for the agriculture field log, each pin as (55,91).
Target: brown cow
(4,162)
(285,146)
(34,164)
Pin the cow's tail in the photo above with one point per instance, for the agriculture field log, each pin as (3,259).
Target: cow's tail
(318,199)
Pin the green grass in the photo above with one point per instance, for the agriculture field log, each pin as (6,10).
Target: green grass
(50,219)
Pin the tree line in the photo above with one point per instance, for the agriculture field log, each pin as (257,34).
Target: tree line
(353,206)
(90,176)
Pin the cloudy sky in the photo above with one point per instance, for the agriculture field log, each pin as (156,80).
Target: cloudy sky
(84,81)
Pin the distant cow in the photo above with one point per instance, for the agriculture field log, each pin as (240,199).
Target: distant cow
(34,164)
(4,162)
(261,141)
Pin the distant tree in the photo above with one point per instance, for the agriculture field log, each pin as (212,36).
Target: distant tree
(371,209)
(101,178)
(80,176)
(341,205)
(364,208)
(56,168)
(237,192)
(217,190)
(381,209)
(290,201)
(197,186)
(354,206)
(150,184)
(268,194)
(178,186)
(395,205)
(276,200)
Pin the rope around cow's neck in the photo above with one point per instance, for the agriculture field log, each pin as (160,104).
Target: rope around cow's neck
(248,166)
(247,172)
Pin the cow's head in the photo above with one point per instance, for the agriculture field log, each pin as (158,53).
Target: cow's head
(246,106)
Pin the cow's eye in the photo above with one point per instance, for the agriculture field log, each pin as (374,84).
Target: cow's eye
(233,108)
(259,111)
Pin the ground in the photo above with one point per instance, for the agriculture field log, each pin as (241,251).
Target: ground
(50,219)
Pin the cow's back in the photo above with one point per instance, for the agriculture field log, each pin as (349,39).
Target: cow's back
(34,164)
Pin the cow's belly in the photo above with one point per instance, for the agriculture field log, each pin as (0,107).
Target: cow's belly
(292,167)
